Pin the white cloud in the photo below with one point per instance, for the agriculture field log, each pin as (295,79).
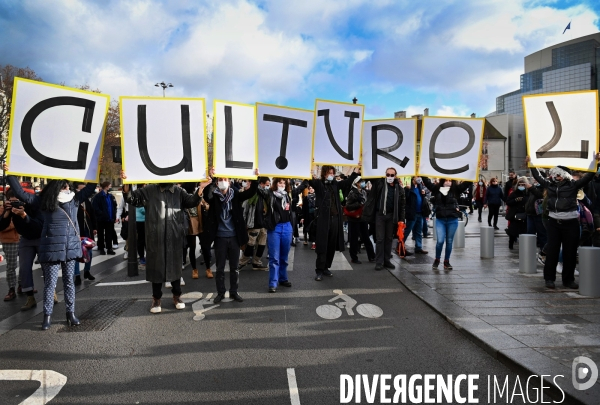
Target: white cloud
(453,111)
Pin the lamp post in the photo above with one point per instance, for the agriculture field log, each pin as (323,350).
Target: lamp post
(354,100)
(164,86)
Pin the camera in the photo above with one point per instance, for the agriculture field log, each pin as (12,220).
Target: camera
(16,204)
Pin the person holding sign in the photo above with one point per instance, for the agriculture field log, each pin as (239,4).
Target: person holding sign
(60,243)
(563,228)
(165,234)
(328,218)
(229,230)
(446,193)
(386,205)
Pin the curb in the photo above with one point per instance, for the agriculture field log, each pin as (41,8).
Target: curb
(503,347)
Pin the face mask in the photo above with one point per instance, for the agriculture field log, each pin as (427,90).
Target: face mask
(244,183)
(419,181)
(447,183)
(480,183)
(330,177)
(223,185)
(281,188)
(362,184)
(390,180)
(521,188)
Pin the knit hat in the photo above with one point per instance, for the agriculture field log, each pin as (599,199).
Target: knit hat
(523,179)
(561,171)
(356,180)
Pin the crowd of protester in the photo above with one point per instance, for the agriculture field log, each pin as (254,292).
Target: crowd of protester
(242,220)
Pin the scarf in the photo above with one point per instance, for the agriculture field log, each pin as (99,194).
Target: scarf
(444,190)
(284,197)
(226,201)
(65,197)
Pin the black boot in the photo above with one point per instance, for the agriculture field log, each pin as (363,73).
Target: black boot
(46,322)
(87,275)
(72,319)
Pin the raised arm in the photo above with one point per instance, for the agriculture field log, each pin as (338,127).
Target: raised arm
(251,192)
(85,192)
(538,177)
(21,194)
(429,184)
(582,182)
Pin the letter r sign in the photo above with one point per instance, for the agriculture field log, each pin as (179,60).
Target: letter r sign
(56,131)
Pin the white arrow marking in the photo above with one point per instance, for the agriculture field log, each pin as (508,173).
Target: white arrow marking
(51,383)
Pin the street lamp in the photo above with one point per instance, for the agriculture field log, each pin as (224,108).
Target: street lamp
(164,86)
(354,100)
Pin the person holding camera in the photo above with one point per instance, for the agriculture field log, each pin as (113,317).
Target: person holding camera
(10,244)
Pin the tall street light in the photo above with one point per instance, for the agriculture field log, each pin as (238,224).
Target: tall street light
(164,86)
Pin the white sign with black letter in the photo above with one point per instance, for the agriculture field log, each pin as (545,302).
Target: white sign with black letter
(451,147)
(163,139)
(284,141)
(389,143)
(337,133)
(562,129)
(234,140)
(55,131)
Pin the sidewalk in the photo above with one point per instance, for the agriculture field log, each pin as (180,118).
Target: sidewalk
(511,315)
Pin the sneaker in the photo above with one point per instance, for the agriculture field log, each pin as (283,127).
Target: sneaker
(143,261)
(313,246)
(319,277)
(195,274)
(125,255)
(155,308)
(541,258)
(272,289)
(243,262)
(168,284)
(447,265)
(178,303)
(559,267)
(259,266)
(209,273)
(115,246)
(236,297)
(31,303)
(181,282)
(435,264)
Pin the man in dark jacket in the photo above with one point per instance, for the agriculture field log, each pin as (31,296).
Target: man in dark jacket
(229,229)
(535,225)
(493,200)
(415,199)
(105,209)
(387,203)
(510,182)
(257,233)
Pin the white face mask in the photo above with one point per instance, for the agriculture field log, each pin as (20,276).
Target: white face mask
(389,179)
(244,183)
(281,188)
(480,183)
(330,177)
(223,185)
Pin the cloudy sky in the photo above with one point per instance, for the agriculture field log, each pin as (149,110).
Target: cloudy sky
(454,57)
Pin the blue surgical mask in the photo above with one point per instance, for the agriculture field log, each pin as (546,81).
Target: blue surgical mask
(330,177)
(521,188)
(362,184)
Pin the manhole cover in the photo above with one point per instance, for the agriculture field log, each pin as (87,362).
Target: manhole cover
(100,316)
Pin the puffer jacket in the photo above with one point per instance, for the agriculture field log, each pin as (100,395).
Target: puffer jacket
(534,193)
(446,206)
(494,195)
(562,196)
(60,239)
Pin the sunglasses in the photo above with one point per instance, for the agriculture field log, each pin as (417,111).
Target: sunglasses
(390,175)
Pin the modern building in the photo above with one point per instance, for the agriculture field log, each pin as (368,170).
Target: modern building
(568,66)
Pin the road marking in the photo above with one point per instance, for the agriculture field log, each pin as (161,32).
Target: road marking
(291,375)
(122,283)
(51,383)
(328,311)
(198,307)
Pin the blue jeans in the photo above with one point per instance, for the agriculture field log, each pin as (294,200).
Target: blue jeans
(416,226)
(87,265)
(425,227)
(279,241)
(445,228)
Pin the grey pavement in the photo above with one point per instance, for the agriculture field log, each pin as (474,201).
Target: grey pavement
(244,353)
(509,314)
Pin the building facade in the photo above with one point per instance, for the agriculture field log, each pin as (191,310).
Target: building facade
(568,66)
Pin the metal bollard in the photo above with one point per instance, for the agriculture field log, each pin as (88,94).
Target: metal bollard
(434,229)
(527,254)
(459,236)
(589,276)
(486,240)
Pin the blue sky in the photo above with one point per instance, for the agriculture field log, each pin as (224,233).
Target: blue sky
(454,57)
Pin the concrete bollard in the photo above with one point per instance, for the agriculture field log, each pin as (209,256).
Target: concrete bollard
(589,276)
(434,229)
(527,254)
(459,236)
(486,240)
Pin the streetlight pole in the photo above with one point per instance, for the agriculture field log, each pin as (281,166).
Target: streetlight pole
(164,86)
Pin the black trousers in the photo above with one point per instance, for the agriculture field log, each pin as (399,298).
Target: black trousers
(157,289)
(494,210)
(384,234)
(356,229)
(565,233)
(325,259)
(105,235)
(140,227)
(227,249)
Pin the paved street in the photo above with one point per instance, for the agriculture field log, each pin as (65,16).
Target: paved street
(258,351)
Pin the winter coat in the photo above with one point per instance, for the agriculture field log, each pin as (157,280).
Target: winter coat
(255,211)
(86,219)
(195,215)
(534,193)
(214,212)
(411,202)
(596,202)
(446,206)
(323,193)
(517,206)
(479,195)
(271,218)
(562,196)
(165,228)
(30,227)
(60,240)
(376,200)
(8,234)
(356,198)
(101,207)
(494,195)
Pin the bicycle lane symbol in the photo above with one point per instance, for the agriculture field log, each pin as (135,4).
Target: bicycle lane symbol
(348,303)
